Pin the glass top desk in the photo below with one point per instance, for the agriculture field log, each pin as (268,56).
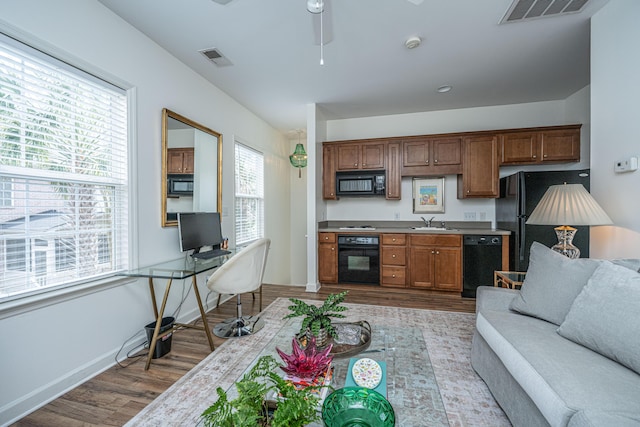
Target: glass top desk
(180,269)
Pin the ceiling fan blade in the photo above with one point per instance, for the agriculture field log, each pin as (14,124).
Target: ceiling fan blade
(327,24)
(222,1)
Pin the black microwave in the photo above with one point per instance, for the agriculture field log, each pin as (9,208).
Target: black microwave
(180,185)
(360,183)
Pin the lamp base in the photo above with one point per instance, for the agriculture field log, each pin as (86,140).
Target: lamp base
(565,242)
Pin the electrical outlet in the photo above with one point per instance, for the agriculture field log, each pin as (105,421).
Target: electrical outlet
(469,216)
(396,216)
(483,216)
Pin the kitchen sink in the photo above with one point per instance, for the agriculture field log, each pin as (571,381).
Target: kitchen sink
(433,229)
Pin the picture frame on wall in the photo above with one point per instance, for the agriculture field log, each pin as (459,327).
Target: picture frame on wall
(428,195)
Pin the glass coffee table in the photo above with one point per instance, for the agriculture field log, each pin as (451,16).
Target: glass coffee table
(412,389)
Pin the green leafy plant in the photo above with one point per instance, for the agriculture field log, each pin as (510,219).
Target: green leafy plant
(318,317)
(294,408)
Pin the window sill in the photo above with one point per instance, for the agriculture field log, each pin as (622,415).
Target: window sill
(24,304)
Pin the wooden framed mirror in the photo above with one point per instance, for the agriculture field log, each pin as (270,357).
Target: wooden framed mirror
(191,168)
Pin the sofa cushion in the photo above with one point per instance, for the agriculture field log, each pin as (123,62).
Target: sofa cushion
(560,376)
(604,316)
(589,418)
(552,282)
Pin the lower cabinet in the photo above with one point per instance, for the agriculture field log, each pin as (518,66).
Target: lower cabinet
(421,261)
(327,258)
(393,260)
(435,262)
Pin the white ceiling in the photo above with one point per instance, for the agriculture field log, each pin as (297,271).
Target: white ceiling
(367,70)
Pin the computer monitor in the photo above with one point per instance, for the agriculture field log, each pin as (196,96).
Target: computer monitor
(198,229)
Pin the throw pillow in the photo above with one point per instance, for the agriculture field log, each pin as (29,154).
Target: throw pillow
(604,317)
(552,282)
(632,263)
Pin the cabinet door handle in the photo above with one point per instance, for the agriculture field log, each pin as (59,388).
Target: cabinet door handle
(435,161)
(393,275)
(437,252)
(333,249)
(545,156)
(427,161)
(393,256)
(393,240)
(534,156)
(433,252)
(355,164)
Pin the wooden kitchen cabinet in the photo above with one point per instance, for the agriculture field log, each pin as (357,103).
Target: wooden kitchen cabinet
(327,258)
(480,174)
(393,260)
(424,156)
(535,146)
(394,177)
(329,172)
(435,262)
(360,156)
(180,161)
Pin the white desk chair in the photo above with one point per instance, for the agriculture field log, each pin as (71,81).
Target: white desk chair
(241,274)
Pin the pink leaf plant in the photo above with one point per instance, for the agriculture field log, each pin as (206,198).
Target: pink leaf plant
(307,363)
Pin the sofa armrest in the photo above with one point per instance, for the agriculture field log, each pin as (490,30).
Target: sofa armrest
(493,298)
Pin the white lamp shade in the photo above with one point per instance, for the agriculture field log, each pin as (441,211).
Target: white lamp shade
(568,204)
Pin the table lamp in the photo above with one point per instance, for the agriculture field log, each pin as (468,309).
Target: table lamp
(568,204)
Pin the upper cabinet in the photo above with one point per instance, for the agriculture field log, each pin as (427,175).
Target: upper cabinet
(180,160)
(474,156)
(329,172)
(533,146)
(423,156)
(480,176)
(359,156)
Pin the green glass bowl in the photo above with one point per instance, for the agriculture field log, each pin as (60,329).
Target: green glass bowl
(357,407)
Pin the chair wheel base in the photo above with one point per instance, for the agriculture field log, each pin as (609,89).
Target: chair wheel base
(238,327)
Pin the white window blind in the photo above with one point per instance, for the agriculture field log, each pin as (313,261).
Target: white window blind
(249,200)
(63,174)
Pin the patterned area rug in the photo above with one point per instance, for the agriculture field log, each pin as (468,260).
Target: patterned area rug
(467,400)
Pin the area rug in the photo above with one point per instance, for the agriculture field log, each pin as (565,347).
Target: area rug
(447,335)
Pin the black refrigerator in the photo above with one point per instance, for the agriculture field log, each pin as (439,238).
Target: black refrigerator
(519,195)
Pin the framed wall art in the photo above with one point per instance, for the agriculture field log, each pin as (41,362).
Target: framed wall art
(428,195)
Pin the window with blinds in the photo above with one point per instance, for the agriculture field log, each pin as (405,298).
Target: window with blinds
(63,174)
(249,200)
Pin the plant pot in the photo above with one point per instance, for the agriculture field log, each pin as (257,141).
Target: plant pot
(322,340)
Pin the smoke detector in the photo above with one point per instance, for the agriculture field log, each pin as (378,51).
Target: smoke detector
(413,42)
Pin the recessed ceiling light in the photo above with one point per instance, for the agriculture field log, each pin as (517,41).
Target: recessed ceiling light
(444,89)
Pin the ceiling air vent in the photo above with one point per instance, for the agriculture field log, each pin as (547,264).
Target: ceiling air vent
(521,10)
(216,57)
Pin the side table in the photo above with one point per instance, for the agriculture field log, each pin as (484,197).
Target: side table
(508,279)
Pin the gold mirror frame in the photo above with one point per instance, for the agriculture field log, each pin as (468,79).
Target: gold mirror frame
(169,218)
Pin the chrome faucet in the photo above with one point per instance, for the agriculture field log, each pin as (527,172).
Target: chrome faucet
(428,222)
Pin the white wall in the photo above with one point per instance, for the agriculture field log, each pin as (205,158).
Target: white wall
(570,111)
(48,349)
(615,126)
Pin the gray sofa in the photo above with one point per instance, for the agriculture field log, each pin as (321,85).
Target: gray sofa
(565,349)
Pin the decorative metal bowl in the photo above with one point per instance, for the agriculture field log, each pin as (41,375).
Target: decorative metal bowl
(359,331)
(357,406)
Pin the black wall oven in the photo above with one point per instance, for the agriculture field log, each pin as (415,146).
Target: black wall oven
(358,259)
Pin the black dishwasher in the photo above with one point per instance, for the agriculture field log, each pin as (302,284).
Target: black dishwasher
(481,256)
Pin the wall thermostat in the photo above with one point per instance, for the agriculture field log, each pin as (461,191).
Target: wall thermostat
(627,165)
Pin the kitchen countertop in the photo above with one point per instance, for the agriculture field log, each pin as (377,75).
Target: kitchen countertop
(404,227)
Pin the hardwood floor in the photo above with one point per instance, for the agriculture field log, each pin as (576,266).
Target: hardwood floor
(118,394)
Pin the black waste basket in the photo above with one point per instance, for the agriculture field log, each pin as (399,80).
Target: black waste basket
(163,344)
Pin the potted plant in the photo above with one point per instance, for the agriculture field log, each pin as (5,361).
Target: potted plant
(294,408)
(317,321)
